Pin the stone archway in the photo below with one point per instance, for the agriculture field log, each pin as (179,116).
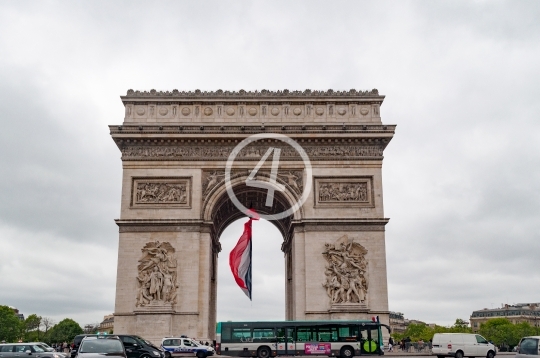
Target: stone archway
(222,212)
(174,204)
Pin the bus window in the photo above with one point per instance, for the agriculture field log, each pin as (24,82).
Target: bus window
(264,335)
(281,334)
(241,335)
(304,334)
(226,334)
(327,334)
(348,334)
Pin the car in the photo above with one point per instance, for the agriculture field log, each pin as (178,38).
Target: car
(528,347)
(135,346)
(97,347)
(461,345)
(13,350)
(184,346)
(77,342)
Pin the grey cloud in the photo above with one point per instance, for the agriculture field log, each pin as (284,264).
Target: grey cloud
(460,176)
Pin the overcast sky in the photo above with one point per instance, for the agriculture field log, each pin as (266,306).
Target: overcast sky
(461,176)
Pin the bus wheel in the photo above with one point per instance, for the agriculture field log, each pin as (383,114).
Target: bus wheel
(347,352)
(263,352)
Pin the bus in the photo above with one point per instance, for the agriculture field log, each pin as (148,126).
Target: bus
(343,339)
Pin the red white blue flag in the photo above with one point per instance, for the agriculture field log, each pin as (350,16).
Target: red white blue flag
(240,257)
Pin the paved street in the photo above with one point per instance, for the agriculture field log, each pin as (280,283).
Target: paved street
(408,355)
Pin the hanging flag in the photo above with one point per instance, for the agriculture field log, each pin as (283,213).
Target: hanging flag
(240,256)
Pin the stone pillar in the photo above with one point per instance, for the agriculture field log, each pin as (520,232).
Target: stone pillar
(364,247)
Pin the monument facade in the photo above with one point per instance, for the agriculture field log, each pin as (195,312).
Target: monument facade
(180,155)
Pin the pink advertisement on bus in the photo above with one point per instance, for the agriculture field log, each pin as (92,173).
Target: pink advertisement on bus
(317,348)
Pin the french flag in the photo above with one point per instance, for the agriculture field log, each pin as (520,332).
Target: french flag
(240,256)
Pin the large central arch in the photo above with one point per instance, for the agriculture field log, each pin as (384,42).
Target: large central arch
(219,211)
(175,205)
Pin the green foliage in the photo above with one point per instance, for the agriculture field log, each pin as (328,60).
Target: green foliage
(498,331)
(11,327)
(32,332)
(424,332)
(64,331)
(461,326)
(521,330)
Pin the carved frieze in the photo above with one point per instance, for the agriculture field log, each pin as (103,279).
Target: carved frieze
(157,275)
(344,191)
(252,152)
(161,192)
(293,178)
(346,272)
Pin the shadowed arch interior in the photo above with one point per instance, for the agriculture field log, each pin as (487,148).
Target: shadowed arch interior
(225,212)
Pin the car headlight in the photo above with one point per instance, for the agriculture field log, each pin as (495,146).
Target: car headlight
(156,353)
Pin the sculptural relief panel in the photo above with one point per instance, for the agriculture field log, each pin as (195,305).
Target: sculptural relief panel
(293,178)
(252,152)
(157,275)
(150,192)
(344,191)
(346,272)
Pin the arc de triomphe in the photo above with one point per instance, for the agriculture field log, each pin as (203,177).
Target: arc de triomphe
(175,204)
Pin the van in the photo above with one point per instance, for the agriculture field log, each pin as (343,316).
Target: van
(461,345)
(528,347)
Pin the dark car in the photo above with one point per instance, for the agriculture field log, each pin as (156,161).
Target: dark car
(135,346)
(97,347)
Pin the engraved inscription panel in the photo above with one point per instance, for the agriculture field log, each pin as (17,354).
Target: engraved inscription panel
(161,192)
(344,191)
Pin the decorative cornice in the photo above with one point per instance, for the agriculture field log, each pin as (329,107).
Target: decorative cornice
(161,225)
(177,313)
(251,129)
(359,224)
(220,94)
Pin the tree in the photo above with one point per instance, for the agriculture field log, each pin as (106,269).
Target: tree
(521,330)
(415,332)
(460,326)
(47,323)
(11,327)
(498,330)
(32,324)
(64,331)
(91,328)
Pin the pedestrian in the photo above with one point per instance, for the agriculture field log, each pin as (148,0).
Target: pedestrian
(390,344)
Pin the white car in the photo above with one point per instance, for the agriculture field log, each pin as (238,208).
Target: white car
(461,345)
(182,346)
(528,347)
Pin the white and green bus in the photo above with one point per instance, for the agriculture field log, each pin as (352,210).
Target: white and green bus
(269,339)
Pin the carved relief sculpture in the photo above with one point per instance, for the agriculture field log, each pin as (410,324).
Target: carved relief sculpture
(344,191)
(161,192)
(331,192)
(211,179)
(251,152)
(346,272)
(157,278)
